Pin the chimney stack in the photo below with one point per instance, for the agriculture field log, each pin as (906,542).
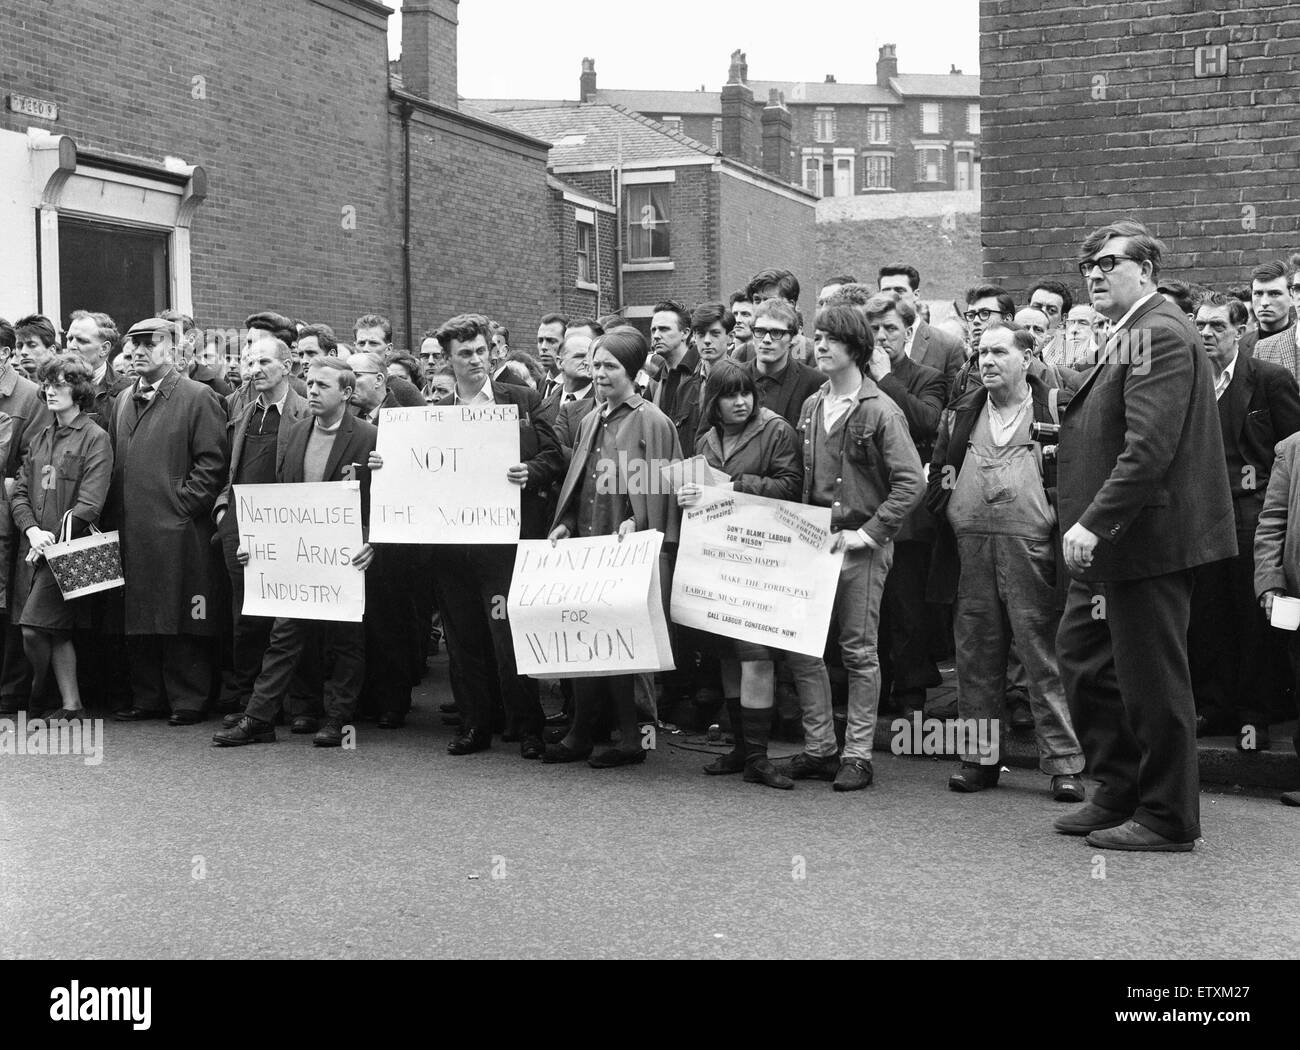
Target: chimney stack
(587,82)
(954,72)
(886,65)
(739,135)
(777,136)
(830,78)
(429,50)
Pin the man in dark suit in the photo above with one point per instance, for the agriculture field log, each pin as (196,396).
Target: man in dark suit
(259,436)
(1233,658)
(472,580)
(575,376)
(1143,500)
(93,338)
(927,346)
(907,668)
(328,445)
(783,383)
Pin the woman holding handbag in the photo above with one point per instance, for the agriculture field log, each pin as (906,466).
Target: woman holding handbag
(65,476)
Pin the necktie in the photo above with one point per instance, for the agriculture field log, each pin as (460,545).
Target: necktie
(144,394)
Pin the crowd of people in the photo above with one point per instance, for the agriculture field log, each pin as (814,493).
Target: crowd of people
(1086,506)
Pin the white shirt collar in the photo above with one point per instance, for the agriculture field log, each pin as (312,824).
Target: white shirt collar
(1225,377)
(1131,311)
(279,405)
(483,397)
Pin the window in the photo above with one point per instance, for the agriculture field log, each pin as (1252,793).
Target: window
(583,243)
(931,117)
(115,267)
(812,174)
(973,118)
(647,222)
(673,124)
(929,165)
(824,125)
(717,133)
(879,172)
(878,126)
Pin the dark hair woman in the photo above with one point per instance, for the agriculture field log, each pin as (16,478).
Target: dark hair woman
(630,434)
(759,451)
(66,472)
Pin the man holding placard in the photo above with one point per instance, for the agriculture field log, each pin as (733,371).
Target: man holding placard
(473,579)
(859,460)
(330,445)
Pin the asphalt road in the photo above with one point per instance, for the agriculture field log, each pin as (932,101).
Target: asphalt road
(174,848)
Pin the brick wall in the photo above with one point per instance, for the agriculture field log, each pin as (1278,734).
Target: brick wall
(482,237)
(761,229)
(288,120)
(1210,164)
(572,301)
(692,242)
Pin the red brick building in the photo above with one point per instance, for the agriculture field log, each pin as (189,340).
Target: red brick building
(902,132)
(690,224)
(1184,115)
(257,155)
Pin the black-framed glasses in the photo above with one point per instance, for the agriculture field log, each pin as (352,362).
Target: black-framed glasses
(1105,263)
(983,314)
(770,333)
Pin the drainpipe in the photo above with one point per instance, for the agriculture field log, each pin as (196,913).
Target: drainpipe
(404,110)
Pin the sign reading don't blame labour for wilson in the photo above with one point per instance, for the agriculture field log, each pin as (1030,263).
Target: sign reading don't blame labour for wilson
(589,607)
(300,541)
(444,475)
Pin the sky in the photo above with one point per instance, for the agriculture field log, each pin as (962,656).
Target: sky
(534,48)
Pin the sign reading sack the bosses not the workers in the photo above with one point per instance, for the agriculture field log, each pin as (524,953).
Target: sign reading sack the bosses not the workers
(757,569)
(300,541)
(444,475)
(589,607)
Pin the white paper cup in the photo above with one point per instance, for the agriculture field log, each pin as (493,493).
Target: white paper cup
(1286,613)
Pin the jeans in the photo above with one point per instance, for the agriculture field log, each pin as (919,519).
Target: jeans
(857,611)
(1007,591)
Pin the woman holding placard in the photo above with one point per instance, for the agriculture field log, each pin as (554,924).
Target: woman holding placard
(66,473)
(629,434)
(760,452)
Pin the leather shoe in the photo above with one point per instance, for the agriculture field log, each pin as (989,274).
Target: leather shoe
(560,752)
(449,708)
(1136,838)
(304,724)
(614,756)
(554,736)
(138,714)
(531,746)
(391,720)
(248,731)
(972,777)
(231,720)
(330,734)
(1290,798)
(761,771)
(812,767)
(854,775)
(1021,717)
(1088,818)
(185,718)
(63,714)
(1067,787)
(474,740)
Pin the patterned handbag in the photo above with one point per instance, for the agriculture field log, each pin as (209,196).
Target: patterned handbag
(86,565)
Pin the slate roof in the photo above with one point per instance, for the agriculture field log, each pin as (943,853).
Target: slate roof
(593,133)
(937,85)
(670,103)
(814,94)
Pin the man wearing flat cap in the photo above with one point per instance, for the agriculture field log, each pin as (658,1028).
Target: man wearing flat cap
(169,467)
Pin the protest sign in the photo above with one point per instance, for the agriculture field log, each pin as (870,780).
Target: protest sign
(757,569)
(444,475)
(695,470)
(588,607)
(300,541)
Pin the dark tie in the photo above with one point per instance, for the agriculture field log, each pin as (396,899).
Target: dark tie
(143,394)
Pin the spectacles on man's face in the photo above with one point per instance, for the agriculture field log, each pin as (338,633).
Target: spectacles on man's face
(1105,263)
(983,314)
(762,334)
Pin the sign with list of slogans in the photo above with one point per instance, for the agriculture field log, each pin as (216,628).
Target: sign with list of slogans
(300,541)
(588,607)
(444,475)
(757,569)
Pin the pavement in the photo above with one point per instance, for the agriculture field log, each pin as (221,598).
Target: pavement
(172,848)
